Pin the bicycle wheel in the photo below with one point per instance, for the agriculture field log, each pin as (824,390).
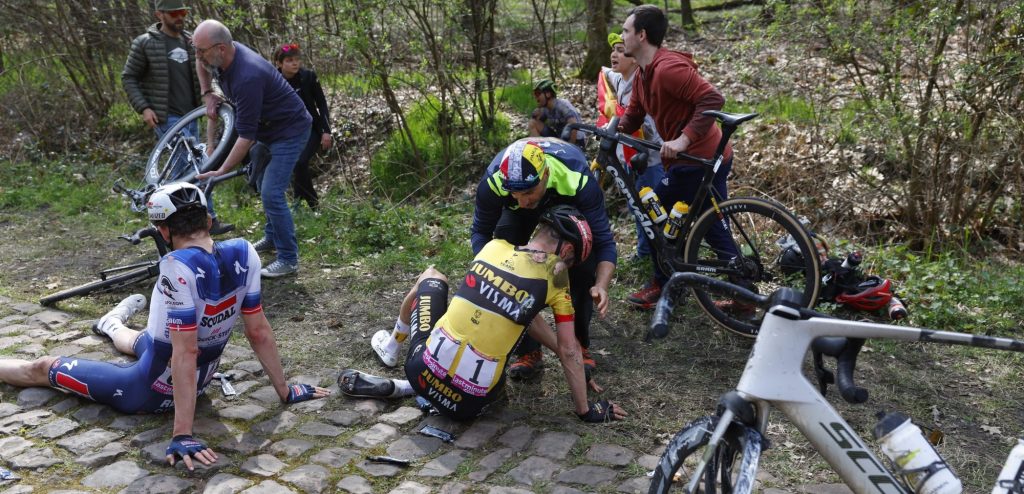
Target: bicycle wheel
(180,154)
(731,468)
(759,233)
(99,286)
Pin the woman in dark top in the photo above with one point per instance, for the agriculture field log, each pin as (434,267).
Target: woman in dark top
(288,60)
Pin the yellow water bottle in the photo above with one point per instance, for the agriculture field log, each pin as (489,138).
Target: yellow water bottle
(675,220)
(653,205)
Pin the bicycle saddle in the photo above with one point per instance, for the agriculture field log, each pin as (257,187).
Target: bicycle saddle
(730,119)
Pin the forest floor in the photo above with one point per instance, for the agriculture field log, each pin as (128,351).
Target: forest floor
(324,317)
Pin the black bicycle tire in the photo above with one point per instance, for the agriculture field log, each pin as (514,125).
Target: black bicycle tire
(690,438)
(695,436)
(225,112)
(747,441)
(98,286)
(775,213)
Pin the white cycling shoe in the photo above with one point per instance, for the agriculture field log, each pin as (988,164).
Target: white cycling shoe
(119,315)
(379,342)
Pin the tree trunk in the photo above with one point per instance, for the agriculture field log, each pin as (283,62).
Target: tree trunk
(598,50)
(686,13)
(480,30)
(540,13)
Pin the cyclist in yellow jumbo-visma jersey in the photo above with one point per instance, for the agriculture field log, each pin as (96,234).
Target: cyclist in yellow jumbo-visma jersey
(458,353)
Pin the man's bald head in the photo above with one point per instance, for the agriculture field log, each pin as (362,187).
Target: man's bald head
(213,44)
(212,31)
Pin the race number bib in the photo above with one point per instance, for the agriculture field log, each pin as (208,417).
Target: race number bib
(475,372)
(441,351)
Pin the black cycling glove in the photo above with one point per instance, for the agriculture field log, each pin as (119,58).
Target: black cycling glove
(300,392)
(600,411)
(184,445)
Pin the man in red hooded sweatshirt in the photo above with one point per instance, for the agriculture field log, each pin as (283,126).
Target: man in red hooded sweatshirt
(670,89)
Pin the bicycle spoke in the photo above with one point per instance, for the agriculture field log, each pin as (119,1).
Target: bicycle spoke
(180,154)
(752,248)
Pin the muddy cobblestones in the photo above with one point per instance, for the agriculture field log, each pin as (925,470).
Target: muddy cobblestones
(60,443)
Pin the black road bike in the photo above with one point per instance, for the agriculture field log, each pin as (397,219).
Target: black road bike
(760,231)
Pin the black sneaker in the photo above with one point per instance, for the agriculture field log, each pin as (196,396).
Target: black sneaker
(219,228)
(264,245)
(361,385)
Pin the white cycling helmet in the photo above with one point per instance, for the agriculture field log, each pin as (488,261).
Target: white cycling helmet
(171,198)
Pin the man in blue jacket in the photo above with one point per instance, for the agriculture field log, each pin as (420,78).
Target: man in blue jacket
(268,110)
(160,79)
(521,182)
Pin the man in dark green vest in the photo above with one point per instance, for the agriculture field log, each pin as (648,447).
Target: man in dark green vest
(160,77)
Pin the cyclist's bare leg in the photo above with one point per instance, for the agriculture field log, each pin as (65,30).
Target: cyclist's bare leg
(124,340)
(386,345)
(26,373)
(405,311)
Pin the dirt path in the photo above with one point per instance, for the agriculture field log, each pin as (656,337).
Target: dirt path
(324,317)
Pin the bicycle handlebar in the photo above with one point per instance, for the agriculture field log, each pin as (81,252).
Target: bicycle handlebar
(610,134)
(150,232)
(662,311)
(845,350)
(135,238)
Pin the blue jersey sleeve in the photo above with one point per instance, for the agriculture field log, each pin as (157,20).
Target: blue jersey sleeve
(590,202)
(488,208)
(589,198)
(253,301)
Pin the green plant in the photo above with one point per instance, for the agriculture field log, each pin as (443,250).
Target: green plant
(350,84)
(58,187)
(445,168)
(123,121)
(518,97)
(386,235)
(929,113)
(952,290)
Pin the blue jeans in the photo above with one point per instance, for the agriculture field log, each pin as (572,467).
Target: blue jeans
(681,184)
(180,162)
(649,178)
(280,228)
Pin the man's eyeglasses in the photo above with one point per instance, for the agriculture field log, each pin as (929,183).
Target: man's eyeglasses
(289,47)
(201,51)
(176,13)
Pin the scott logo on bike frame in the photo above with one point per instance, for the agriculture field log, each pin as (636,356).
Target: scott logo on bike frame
(860,456)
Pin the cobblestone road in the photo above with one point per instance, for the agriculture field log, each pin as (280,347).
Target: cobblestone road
(59,443)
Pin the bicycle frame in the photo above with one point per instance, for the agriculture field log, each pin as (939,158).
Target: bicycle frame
(670,254)
(773,377)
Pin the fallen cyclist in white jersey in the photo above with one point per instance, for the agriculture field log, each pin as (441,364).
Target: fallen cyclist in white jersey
(202,290)
(459,352)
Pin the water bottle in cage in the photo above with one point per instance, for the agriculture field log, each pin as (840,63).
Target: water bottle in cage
(914,458)
(652,205)
(1011,478)
(675,220)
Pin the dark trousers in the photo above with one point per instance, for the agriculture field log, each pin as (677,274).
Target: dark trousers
(681,185)
(516,227)
(302,179)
